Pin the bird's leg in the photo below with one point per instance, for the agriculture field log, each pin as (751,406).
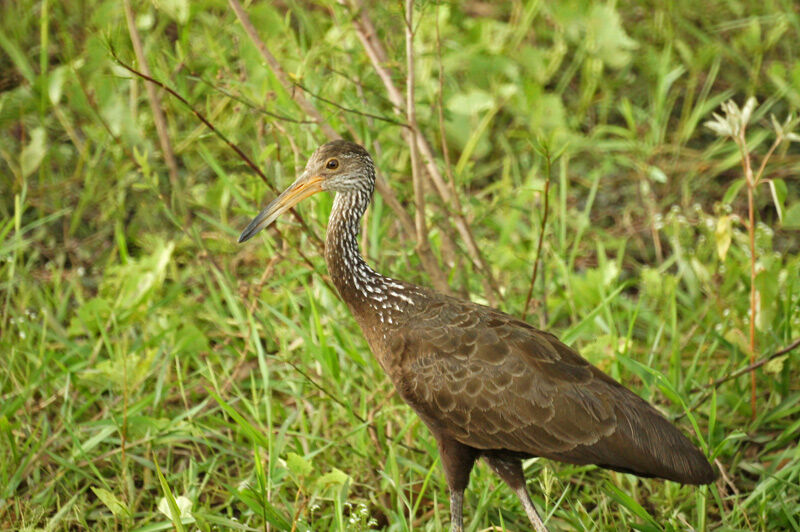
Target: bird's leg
(530,509)
(456,510)
(510,470)
(457,460)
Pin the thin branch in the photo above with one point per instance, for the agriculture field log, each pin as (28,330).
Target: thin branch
(366,34)
(440,100)
(448,241)
(751,231)
(307,107)
(222,137)
(365,31)
(752,367)
(767,157)
(93,106)
(197,113)
(708,388)
(155,105)
(423,245)
(548,163)
(406,222)
(347,109)
(429,262)
(252,105)
(241,154)
(364,89)
(180,226)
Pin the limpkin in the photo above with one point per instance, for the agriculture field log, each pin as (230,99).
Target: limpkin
(486,384)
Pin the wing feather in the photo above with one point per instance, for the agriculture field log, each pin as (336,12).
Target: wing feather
(493,382)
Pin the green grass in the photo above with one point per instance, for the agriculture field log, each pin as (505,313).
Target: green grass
(149,361)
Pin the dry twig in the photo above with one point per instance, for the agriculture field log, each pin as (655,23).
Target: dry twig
(375,51)
(234,147)
(708,388)
(155,105)
(423,245)
(548,163)
(752,367)
(380,184)
(299,98)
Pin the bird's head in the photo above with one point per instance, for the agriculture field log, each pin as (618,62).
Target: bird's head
(338,166)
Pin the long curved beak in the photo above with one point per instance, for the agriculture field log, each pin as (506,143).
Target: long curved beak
(305,186)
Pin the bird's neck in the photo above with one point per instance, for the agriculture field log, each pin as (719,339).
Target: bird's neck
(377,302)
(351,275)
(374,299)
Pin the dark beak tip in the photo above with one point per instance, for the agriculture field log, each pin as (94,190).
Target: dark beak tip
(251,229)
(247,234)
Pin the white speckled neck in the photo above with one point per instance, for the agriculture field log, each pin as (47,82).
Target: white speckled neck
(341,241)
(350,273)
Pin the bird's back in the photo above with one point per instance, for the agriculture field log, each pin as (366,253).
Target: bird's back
(495,383)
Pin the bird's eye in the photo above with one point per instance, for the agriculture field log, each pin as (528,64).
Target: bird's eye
(332,164)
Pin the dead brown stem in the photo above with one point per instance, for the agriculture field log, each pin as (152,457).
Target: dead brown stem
(366,34)
(235,148)
(423,245)
(448,241)
(155,107)
(751,368)
(751,231)
(548,164)
(299,98)
(428,260)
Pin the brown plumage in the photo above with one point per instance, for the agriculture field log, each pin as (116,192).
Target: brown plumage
(486,384)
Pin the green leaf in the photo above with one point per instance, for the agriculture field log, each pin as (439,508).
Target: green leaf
(335,478)
(791,219)
(91,315)
(33,153)
(733,191)
(178,10)
(174,510)
(657,174)
(738,338)
(298,465)
(190,339)
(17,56)
(252,432)
(262,507)
(474,102)
(111,501)
(775,366)
(132,286)
(56,84)
(606,37)
(183,504)
(628,502)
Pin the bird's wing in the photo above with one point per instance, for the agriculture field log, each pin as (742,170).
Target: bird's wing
(493,382)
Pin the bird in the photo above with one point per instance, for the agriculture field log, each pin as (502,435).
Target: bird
(487,385)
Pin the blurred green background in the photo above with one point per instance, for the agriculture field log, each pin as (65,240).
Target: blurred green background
(149,359)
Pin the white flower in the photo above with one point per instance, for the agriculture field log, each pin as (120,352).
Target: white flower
(735,119)
(183,503)
(748,110)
